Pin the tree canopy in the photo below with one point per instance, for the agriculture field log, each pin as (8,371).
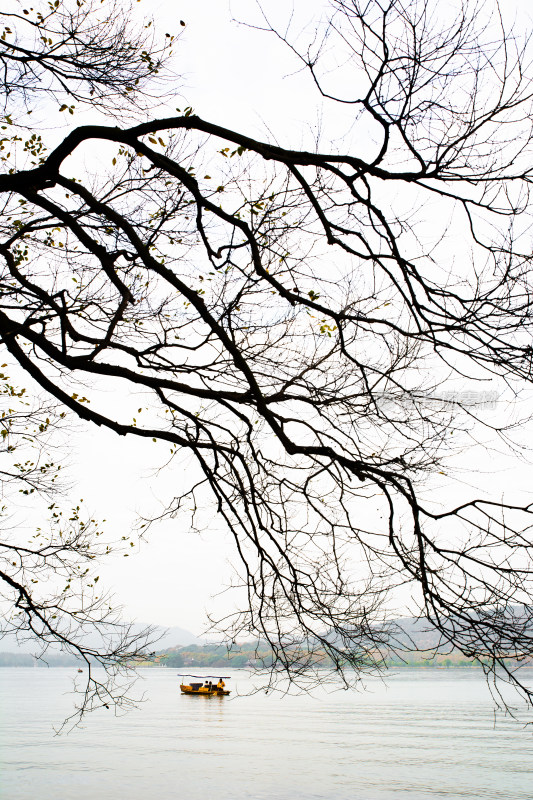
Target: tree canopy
(296,320)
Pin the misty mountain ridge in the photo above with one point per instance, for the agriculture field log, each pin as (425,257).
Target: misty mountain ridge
(407,635)
(168,637)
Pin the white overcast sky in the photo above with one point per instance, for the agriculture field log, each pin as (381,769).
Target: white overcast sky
(243,79)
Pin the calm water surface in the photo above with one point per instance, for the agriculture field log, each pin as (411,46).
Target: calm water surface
(427,734)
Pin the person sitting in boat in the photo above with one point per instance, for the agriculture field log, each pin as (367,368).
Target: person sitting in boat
(220,684)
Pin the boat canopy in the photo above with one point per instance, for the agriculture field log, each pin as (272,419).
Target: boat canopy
(203,677)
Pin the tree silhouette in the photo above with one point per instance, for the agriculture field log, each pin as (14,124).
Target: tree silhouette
(292,318)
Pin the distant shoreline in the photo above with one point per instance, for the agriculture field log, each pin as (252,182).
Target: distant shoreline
(23,660)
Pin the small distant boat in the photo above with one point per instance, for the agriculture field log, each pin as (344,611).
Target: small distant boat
(80,670)
(206,687)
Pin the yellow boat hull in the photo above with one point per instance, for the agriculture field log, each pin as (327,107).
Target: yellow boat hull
(203,690)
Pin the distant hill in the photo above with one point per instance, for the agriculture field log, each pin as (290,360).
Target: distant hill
(26,660)
(175,637)
(170,638)
(414,643)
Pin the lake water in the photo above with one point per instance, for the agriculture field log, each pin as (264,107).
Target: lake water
(426,734)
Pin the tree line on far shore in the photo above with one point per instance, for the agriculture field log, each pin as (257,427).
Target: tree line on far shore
(249,656)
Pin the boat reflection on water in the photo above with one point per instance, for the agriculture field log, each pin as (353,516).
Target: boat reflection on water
(206,688)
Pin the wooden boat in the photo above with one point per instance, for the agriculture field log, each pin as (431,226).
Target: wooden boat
(205,688)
